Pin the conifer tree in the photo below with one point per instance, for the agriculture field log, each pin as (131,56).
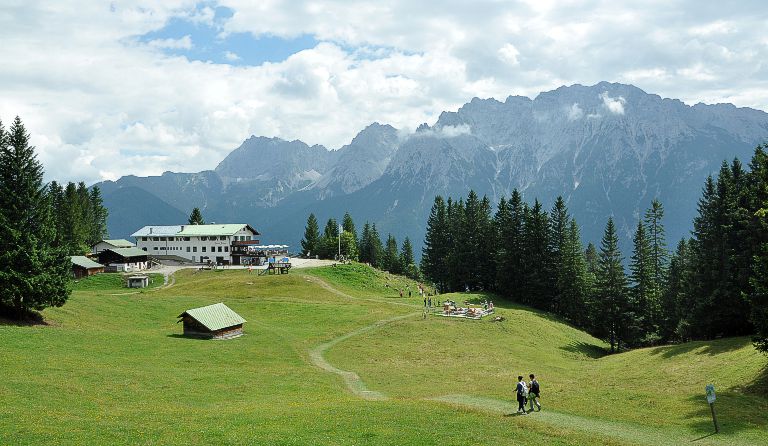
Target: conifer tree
(391,258)
(196,217)
(758,296)
(376,248)
(641,275)
(558,238)
(610,290)
(654,229)
(434,254)
(329,243)
(673,300)
(572,277)
(348,225)
(311,240)
(349,246)
(407,262)
(99,214)
(537,251)
(33,273)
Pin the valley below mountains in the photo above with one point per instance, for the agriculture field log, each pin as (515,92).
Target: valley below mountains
(608,149)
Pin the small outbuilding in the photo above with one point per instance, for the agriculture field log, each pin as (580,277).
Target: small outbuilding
(124,259)
(138,281)
(82,266)
(216,321)
(110,244)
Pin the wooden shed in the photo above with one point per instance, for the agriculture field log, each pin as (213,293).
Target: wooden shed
(137,281)
(216,321)
(82,266)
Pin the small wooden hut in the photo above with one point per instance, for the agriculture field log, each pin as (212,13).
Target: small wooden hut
(216,321)
(82,266)
(137,281)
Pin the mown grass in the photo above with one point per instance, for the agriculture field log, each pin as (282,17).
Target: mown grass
(112,369)
(112,281)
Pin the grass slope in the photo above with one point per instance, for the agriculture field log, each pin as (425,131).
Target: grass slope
(111,368)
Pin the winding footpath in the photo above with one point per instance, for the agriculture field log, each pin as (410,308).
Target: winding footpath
(624,432)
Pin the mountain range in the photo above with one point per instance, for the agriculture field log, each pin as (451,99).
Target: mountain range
(609,149)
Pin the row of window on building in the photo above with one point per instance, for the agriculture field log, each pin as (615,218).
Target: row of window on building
(202,238)
(189,249)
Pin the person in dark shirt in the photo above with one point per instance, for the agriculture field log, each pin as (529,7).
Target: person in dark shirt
(521,391)
(534,392)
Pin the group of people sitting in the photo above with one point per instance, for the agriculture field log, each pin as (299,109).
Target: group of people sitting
(528,393)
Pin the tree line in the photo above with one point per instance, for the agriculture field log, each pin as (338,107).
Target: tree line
(368,248)
(714,284)
(79,216)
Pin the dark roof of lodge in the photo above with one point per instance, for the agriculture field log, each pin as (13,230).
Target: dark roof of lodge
(128,252)
(215,317)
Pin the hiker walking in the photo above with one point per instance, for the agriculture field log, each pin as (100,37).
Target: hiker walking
(429,301)
(522,393)
(425,302)
(534,392)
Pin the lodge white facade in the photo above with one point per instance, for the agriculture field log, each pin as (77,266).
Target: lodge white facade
(221,244)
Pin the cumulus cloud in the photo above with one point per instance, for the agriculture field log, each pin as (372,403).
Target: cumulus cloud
(183,43)
(230,56)
(614,105)
(101,102)
(508,53)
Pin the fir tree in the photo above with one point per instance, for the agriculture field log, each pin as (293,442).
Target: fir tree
(537,251)
(391,259)
(33,274)
(610,290)
(673,301)
(311,240)
(641,275)
(196,217)
(376,248)
(758,296)
(407,262)
(329,244)
(348,225)
(572,277)
(434,254)
(349,245)
(659,257)
(99,214)
(558,238)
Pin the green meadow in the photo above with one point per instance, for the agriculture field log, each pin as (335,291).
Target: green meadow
(333,356)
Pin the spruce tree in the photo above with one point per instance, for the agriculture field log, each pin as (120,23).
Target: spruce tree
(391,258)
(539,272)
(758,296)
(196,217)
(99,214)
(311,240)
(654,229)
(434,254)
(376,248)
(329,243)
(349,245)
(33,273)
(558,238)
(572,277)
(641,275)
(348,225)
(407,262)
(673,301)
(611,290)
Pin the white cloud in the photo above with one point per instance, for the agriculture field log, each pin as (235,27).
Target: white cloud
(184,43)
(447,131)
(575,112)
(230,56)
(100,103)
(508,53)
(614,105)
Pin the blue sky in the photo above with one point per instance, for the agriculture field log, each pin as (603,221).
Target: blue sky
(209,42)
(145,86)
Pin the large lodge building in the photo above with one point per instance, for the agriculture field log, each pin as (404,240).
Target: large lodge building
(221,244)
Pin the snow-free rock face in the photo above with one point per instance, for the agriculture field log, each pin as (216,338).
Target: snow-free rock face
(360,163)
(608,149)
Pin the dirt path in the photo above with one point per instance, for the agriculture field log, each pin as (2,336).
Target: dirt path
(351,379)
(326,286)
(621,431)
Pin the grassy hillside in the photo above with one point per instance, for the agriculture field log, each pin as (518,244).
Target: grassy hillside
(112,368)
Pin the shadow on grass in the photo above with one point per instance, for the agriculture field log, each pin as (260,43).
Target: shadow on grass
(25,318)
(189,338)
(758,386)
(711,348)
(736,412)
(585,349)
